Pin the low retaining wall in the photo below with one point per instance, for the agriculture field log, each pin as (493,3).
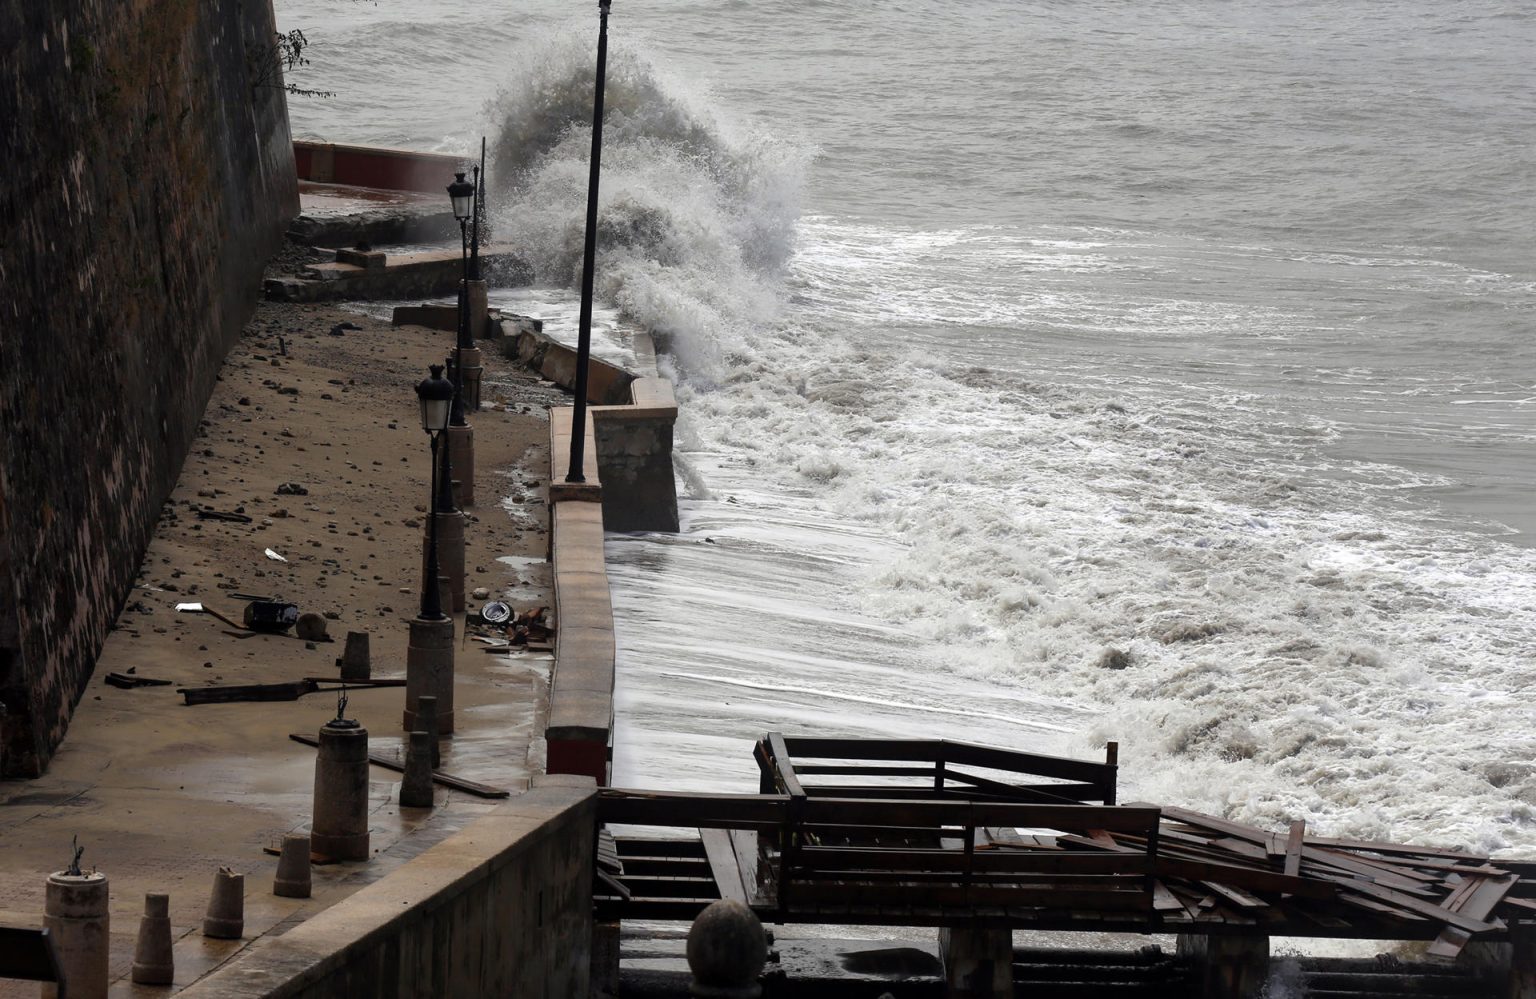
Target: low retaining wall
(501,908)
(629,487)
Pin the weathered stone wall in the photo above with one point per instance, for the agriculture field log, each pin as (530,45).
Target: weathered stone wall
(148,175)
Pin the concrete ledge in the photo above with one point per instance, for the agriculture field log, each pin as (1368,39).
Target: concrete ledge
(606,383)
(408,275)
(503,907)
(375,166)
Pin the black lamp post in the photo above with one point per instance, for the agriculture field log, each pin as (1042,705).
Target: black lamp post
(584,341)
(463,194)
(436,397)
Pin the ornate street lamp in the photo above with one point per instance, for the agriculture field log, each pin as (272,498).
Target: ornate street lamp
(462,192)
(435,394)
(584,340)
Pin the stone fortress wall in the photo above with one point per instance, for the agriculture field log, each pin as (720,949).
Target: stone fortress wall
(149,175)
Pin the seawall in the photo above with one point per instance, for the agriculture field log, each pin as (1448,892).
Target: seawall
(150,175)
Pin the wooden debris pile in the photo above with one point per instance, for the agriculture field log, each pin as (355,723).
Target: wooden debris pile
(1216,871)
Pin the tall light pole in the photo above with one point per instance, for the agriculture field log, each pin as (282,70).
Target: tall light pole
(435,394)
(589,253)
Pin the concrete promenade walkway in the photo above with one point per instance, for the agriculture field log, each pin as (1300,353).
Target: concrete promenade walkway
(161,794)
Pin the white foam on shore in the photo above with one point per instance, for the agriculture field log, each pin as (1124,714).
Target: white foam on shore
(931,476)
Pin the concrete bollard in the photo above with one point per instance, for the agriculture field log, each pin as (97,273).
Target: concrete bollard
(293,877)
(225,918)
(340,827)
(76,917)
(429,670)
(153,963)
(416,787)
(726,952)
(461,445)
(426,721)
(354,662)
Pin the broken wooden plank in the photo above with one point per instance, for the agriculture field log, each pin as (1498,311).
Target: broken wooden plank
(723,865)
(1241,899)
(1293,844)
(1476,904)
(438,776)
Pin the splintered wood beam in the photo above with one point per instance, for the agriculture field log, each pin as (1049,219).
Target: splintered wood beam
(1477,904)
(1293,847)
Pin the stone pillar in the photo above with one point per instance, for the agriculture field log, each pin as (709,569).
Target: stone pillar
(429,670)
(605,960)
(76,917)
(153,963)
(1507,969)
(354,662)
(1522,965)
(416,784)
(293,879)
(450,555)
(1227,967)
(340,827)
(225,916)
(461,455)
(978,962)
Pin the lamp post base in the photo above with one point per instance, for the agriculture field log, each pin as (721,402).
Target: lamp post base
(450,556)
(479,308)
(461,457)
(429,671)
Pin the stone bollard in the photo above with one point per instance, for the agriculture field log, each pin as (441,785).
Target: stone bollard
(153,963)
(340,827)
(461,445)
(726,952)
(416,787)
(354,662)
(76,917)
(426,721)
(429,670)
(225,918)
(293,879)
(450,556)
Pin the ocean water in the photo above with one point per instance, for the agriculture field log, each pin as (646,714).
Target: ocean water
(1010,333)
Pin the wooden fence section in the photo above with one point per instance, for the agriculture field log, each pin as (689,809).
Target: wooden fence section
(896,842)
(905,862)
(910,768)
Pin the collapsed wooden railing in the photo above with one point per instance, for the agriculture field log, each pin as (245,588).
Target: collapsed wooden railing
(921,833)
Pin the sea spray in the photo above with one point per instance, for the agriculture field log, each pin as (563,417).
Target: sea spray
(943,469)
(696,217)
